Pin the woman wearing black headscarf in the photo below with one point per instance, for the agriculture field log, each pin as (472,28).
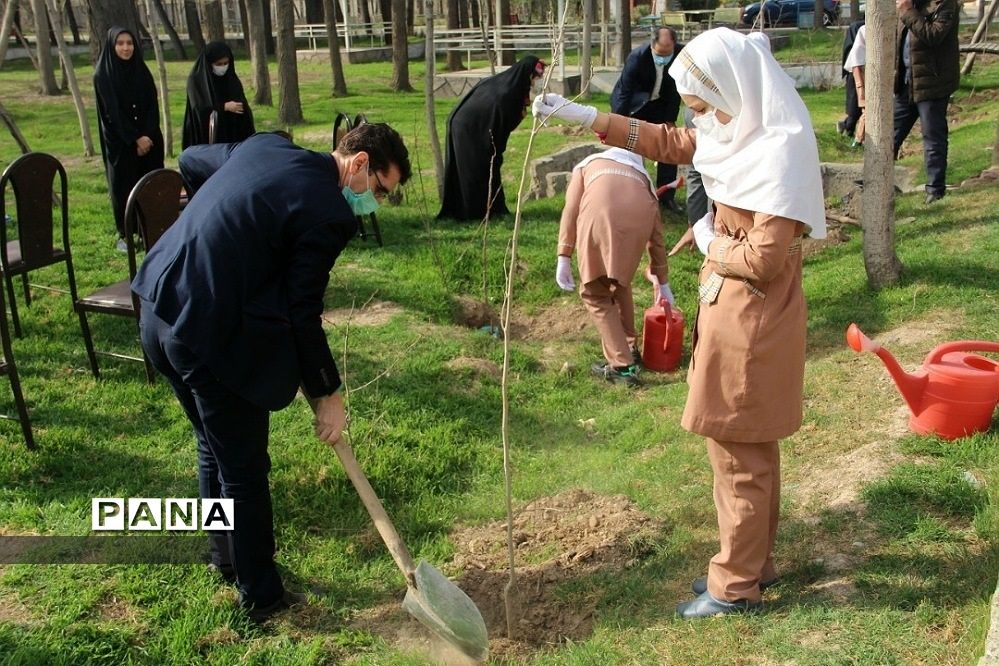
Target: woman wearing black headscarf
(129,119)
(477,132)
(214,86)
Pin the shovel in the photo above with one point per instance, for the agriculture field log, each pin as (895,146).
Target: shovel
(431,598)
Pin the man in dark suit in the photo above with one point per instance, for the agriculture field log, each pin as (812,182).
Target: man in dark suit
(232,298)
(646,91)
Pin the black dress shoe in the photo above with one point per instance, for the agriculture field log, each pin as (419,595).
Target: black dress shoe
(261,613)
(671,205)
(700,585)
(227,573)
(707,606)
(933,196)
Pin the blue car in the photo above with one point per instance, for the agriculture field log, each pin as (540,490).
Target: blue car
(785,12)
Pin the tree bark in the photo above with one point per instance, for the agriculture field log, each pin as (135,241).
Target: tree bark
(47,82)
(8,23)
(336,64)
(74,88)
(435,141)
(194,25)
(164,88)
(178,45)
(8,120)
(453,23)
(504,56)
(878,198)
(586,50)
(624,31)
(314,11)
(258,52)
(73,26)
(269,28)
(400,48)
(244,20)
(385,8)
(214,22)
(289,101)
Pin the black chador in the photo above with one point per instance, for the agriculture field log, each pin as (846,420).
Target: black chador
(477,132)
(127,110)
(208,91)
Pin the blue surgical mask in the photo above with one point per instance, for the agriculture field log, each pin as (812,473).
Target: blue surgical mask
(661,60)
(364,203)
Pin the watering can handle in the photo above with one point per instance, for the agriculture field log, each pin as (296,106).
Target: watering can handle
(374,506)
(961,346)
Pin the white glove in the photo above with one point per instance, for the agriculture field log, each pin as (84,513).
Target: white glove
(563,273)
(667,293)
(704,232)
(550,105)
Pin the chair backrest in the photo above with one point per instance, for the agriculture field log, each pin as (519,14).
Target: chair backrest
(32,177)
(153,205)
(213,119)
(341,125)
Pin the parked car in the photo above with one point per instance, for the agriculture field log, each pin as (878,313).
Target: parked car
(785,12)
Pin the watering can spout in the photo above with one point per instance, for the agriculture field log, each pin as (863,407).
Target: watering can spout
(912,386)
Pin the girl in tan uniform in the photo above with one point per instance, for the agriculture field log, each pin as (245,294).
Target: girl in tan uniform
(755,149)
(610,218)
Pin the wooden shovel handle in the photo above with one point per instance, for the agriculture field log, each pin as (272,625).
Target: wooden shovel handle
(374,506)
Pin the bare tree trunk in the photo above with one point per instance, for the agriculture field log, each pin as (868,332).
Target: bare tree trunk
(329,15)
(8,23)
(164,88)
(484,29)
(178,45)
(878,199)
(14,131)
(105,13)
(995,149)
(504,56)
(586,50)
(624,31)
(258,52)
(26,46)
(194,25)
(453,22)
(313,11)
(980,31)
(71,18)
(385,9)
(400,48)
(213,21)
(244,19)
(47,81)
(289,101)
(435,141)
(269,28)
(74,88)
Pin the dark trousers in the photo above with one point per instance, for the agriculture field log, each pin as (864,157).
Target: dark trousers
(932,116)
(697,198)
(232,460)
(852,106)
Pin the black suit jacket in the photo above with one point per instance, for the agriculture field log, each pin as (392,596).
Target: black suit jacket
(240,277)
(634,87)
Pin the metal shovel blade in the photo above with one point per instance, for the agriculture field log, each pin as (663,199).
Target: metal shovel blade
(444,609)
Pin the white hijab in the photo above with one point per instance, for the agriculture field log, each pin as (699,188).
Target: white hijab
(858,52)
(621,156)
(771,165)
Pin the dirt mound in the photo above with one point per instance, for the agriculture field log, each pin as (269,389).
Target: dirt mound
(565,319)
(376,313)
(557,540)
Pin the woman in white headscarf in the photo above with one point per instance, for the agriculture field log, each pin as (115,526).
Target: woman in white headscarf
(611,218)
(754,146)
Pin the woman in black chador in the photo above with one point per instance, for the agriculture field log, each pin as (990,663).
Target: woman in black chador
(477,132)
(214,86)
(131,141)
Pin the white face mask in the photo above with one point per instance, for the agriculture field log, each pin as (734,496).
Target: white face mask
(709,125)
(220,70)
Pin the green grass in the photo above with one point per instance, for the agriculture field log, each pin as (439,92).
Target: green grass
(915,591)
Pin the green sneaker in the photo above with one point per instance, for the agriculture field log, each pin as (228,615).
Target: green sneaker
(625,376)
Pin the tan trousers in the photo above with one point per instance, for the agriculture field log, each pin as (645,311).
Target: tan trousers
(747,499)
(612,310)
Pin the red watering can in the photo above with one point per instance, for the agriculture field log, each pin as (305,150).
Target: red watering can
(954,394)
(662,335)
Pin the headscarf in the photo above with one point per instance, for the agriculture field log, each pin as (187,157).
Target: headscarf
(207,92)
(858,52)
(117,79)
(771,165)
(621,156)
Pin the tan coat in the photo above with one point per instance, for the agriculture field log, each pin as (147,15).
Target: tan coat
(748,362)
(611,217)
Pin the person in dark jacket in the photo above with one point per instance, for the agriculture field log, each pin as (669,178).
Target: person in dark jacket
(214,86)
(231,301)
(477,132)
(128,120)
(927,74)
(645,91)
(848,124)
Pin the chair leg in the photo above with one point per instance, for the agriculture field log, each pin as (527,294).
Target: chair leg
(360,227)
(377,230)
(150,370)
(88,342)
(22,408)
(27,290)
(13,305)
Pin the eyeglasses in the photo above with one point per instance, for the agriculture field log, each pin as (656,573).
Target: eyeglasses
(382,191)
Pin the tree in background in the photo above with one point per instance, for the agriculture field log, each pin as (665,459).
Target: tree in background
(339,83)
(257,38)
(46,75)
(213,21)
(400,48)
(194,25)
(74,87)
(453,23)
(161,12)
(289,100)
